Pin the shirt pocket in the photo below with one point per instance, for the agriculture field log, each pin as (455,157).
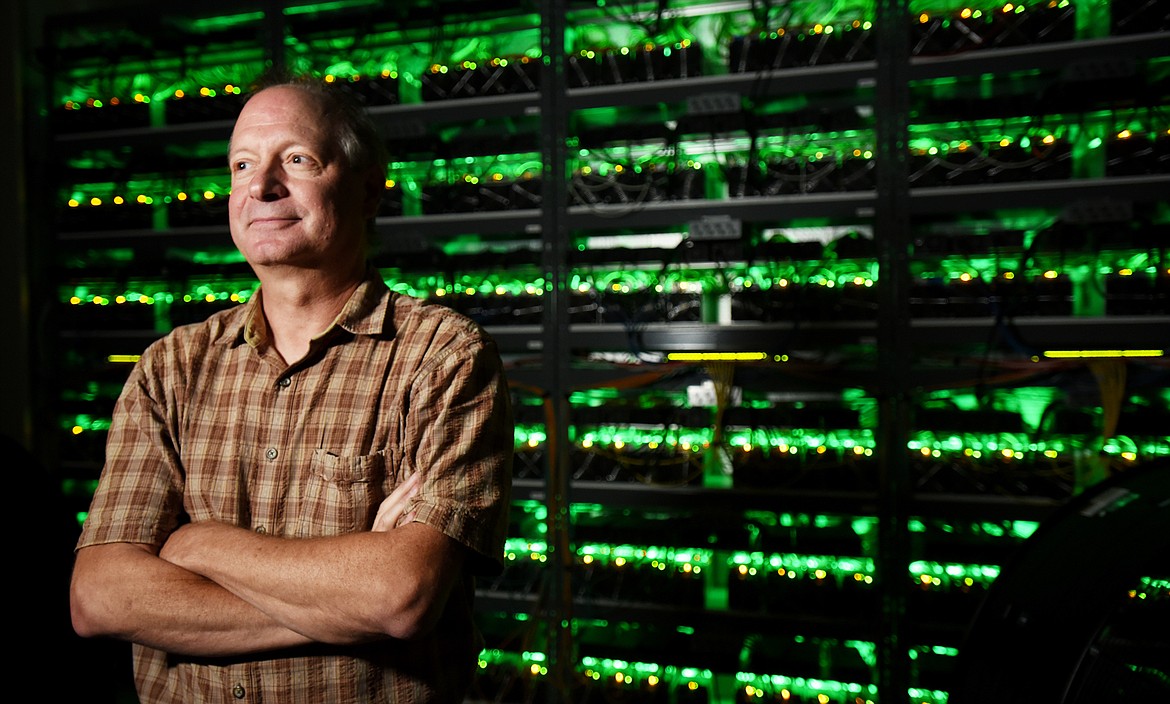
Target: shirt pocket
(341,494)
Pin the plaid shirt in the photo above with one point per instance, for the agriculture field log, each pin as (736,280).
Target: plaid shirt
(213,425)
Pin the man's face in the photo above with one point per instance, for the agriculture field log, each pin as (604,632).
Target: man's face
(294,201)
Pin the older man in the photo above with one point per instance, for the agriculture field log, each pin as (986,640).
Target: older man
(299,491)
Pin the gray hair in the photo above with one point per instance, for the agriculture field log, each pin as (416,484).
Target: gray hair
(357,136)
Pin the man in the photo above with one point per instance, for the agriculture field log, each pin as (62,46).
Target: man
(298,491)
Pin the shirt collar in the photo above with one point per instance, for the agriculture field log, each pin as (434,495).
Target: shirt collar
(365,313)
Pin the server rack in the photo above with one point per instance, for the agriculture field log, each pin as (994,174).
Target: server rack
(812,311)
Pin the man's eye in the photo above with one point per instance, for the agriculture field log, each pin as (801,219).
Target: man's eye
(240,165)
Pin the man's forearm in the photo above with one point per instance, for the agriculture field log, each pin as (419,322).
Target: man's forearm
(124,591)
(342,589)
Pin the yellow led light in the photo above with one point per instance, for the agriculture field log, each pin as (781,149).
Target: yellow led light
(716,356)
(122,358)
(1086,354)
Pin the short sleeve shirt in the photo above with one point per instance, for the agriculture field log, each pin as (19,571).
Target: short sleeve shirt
(213,425)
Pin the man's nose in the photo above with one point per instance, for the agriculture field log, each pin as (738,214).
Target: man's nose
(267,183)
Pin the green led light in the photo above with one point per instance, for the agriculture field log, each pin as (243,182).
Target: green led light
(936,574)
(529,436)
(1151,588)
(928,696)
(781,687)
(326,7)
(80,488)
(85,423)
(684,560)
(151,292)
(622,437)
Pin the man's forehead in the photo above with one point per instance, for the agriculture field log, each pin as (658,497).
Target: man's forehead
(282,104)
(291,114)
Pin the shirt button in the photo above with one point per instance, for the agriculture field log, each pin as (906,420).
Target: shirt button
(270,453)
(284,382)
(238,691)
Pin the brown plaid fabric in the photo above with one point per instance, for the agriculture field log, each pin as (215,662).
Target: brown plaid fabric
(213,425)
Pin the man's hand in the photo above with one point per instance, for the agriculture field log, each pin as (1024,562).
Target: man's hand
(392,512)
(183,546)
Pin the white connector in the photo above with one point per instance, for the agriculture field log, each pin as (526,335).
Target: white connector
(703,395)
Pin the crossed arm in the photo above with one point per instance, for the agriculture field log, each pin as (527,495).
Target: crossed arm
(219,590)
